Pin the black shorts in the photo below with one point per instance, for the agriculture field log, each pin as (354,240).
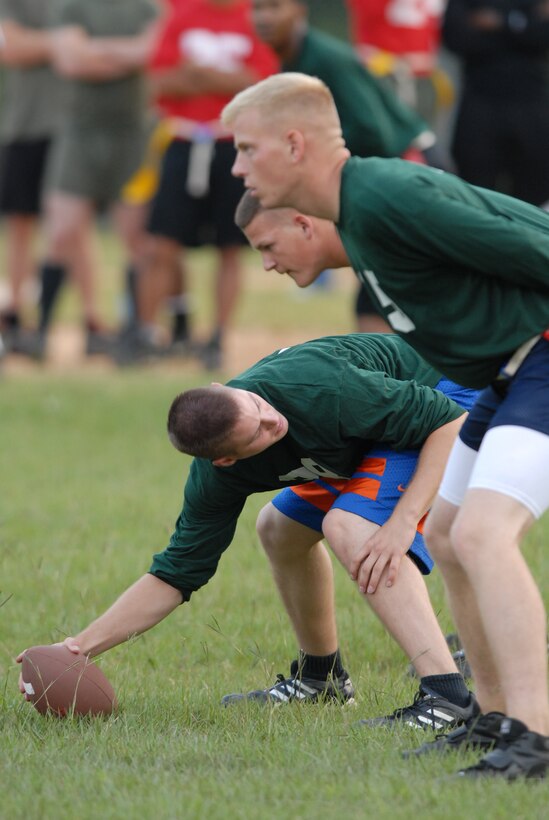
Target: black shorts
(197,220)
(364,304)
(22,166)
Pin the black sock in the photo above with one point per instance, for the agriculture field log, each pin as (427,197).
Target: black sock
(131,295)
(180,326)
(10,319)
(51,277)
(452,687)
(320,667)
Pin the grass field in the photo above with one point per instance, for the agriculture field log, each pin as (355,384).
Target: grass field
(90,489)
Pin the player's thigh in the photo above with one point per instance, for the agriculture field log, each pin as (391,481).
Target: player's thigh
(281,535)
(513,458)
(346,534)
(371,495)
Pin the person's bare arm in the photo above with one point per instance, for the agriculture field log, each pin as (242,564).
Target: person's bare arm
(190,80)
(139,608)
(393,540)
(23,47)
(78,56)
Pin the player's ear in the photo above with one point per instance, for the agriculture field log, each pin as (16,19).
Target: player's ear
(304,224)
(224,461)
(296,143)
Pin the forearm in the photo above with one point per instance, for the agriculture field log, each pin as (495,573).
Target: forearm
(79,57)
(190,80)
(129,53)
(24,47)
(142,606)
(423,487)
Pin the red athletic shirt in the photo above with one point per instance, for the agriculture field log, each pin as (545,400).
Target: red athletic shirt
(212,35)
(397,26)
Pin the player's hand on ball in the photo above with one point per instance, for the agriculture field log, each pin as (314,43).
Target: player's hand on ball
(70,643)
(58,679)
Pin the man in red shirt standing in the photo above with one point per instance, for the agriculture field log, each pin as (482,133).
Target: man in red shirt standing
(207,53)
(399,39)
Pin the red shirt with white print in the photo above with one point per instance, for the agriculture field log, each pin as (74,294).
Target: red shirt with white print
(210,34)
(406,28)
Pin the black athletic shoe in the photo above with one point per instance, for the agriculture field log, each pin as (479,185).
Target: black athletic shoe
(519,754)
(428,711)
(479,732)
(299,688)
(99,343)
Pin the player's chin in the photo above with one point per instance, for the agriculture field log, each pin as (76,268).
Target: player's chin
(302,279)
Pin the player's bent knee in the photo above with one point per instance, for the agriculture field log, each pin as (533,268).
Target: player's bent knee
(469,541)
(266,527)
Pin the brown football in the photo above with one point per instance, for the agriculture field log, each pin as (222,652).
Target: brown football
(62,683)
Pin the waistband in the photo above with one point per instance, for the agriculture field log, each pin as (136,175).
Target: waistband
(195,131)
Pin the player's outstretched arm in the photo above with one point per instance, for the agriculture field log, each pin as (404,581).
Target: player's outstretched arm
(142,606)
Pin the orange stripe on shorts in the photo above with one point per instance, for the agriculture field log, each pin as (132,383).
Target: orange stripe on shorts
(320,497)
(364,485)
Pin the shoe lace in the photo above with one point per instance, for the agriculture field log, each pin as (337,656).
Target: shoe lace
(414,708)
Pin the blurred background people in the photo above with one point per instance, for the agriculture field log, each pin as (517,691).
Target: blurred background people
(208,51)
(501,135)
(100,49)
(31,106)
(399,40)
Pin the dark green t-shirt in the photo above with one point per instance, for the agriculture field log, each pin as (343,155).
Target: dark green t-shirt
(373,120)
(462,273)
(119,103)
(340,394)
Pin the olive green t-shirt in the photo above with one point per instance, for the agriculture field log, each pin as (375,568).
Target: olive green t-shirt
(119,103)
(340,395)
(460,272)
(32,96)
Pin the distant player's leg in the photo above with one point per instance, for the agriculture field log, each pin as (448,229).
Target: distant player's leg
(302,569)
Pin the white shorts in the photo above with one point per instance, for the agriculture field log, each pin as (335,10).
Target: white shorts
(511,460)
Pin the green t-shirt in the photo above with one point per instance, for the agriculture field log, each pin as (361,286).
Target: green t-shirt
(373,120)
(111,104)
(462,273)
(340,394)
(32,96)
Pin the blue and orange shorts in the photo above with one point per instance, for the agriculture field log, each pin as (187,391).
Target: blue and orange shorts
(372,493)
(373,490)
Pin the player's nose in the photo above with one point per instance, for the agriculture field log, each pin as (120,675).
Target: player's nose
(238,170)
(268,262)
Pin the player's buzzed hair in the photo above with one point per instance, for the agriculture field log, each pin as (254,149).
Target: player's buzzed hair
(290,95)
(201,420)
(247,210)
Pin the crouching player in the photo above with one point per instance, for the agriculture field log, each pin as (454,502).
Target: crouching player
(355,431)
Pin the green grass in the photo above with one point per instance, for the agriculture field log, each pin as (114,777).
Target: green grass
(90,488)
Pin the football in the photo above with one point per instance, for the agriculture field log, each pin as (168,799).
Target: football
(61,683)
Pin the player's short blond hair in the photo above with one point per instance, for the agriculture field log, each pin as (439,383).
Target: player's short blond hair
(289,96)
